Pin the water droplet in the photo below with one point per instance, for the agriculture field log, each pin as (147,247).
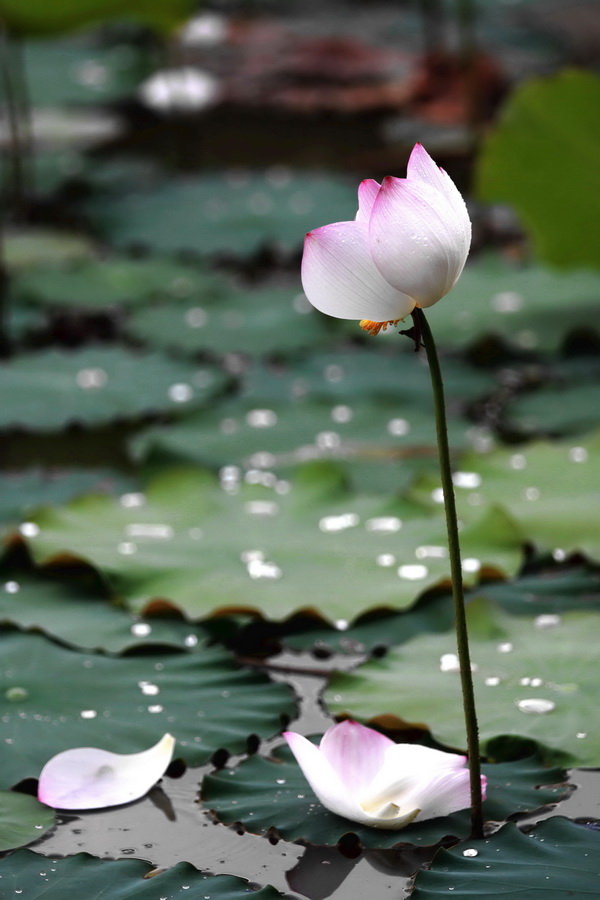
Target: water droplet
(196,317)
(263,460)
(280,781)
(12,587)
(536,705)
(88,713)
(466,480)
(507,302)
(384,524)
(261,418)
(328,440)
(581,735)
(505,647)
(29,529)
(437,495)
(261,507)
(518,461)
(16,694)
(181,393)
(559,555)
(91,378)
(386,560)
(127,548)
(531,493)
(156,708)
(470,851)
(431,551)
(333,373)
(141,629)
(149,689)
(146,530)
(547,620)
(258,569)
(470,564)
(342,414)
(191,640)
(578,454)
(449,662)
(398,427)
(132,501)
(413,572)
(339,523)
(492,681)
(342,624)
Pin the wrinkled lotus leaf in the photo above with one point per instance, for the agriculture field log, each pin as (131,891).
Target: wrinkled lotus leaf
(534,677)
(22,820)
(549,592)
(25,247)
(39,18)
(276,549)
(232,213)
(254,321)
(378,450)
(554,411)
(48,390)
(548,134)
(41,878)
(82,616)
(557,859)
(529,307)
(549,490)
(273,794)
(20,492)
(53,699)
(90,285)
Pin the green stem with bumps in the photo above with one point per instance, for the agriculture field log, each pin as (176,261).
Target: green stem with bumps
(423,332)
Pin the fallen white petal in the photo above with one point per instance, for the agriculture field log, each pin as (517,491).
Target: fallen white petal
(340,279)
(90,778)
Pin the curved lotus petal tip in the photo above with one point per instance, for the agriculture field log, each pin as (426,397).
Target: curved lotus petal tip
(91,778)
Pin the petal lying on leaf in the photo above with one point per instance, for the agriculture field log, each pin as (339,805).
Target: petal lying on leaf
(363,776)
(90,778)
(340,279)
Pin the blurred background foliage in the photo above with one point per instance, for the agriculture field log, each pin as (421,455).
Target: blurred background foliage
(187,448)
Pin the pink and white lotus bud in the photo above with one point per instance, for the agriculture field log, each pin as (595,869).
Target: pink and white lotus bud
(406,247)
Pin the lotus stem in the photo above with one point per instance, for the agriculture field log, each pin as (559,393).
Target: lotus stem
(466,679)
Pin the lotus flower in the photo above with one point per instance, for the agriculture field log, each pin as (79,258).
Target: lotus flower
(406,247)
(90,778)
(362,775)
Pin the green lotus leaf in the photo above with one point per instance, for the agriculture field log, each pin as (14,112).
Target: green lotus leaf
(22,820)
(52,699)
(123,879)
(234,213)
(39,18)
(273,794)
(275,548)
(47,390)
(557,859)
(535,678)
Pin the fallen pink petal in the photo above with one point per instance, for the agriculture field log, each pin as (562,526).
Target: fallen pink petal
(91,778)
(362,775)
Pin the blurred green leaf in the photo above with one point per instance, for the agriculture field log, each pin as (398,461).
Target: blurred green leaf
(39,17)
(532,677)
(542,158)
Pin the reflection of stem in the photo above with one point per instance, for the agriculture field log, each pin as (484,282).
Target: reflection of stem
(422,328)
(16,191)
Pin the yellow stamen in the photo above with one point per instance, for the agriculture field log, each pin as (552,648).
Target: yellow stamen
(375,327)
